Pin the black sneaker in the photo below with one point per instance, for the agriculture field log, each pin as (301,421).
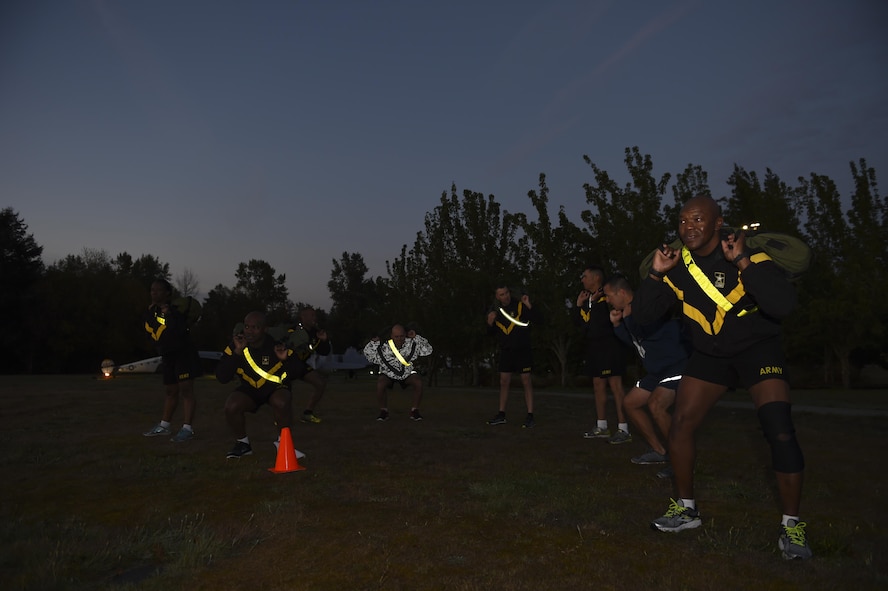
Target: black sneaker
(383,415)
(529,423)
(239,450)
(414,415)
(499,419)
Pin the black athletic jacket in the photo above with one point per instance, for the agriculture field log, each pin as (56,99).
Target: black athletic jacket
(762,291)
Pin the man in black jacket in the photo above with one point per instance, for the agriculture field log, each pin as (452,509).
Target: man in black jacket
(266,369)
(733,301)
(510,321)
(168,328)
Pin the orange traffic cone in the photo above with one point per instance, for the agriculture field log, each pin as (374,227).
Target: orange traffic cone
(286,458)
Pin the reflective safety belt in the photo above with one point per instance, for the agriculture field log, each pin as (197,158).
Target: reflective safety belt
(513,320)
(707,286)
(268,376)
(391,344)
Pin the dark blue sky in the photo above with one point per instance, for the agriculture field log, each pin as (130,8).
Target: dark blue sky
(211,132)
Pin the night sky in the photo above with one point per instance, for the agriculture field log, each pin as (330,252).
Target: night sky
(208,133)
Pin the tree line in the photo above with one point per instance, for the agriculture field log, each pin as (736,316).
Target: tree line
(68,316)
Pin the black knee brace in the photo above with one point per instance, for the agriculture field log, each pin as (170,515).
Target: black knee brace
(776,421)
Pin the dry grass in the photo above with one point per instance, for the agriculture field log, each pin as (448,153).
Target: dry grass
(448,503)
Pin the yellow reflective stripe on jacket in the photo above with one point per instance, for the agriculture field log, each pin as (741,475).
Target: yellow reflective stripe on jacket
(513,322)
(391,344)
(723,303)
(587,314)
(704,282)
(267,376)
(155,332)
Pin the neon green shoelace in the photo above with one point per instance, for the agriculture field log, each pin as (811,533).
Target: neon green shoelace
(797,533)
(675,509)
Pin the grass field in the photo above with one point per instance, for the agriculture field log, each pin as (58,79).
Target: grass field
(447,503)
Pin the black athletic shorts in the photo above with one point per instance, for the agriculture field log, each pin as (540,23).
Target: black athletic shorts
(758,363)
(261,395)
(178,366)
(515,360)
(607,359)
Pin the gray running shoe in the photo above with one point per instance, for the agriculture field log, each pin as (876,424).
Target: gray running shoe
(666,472)
(650,457)
(793,542)
(677,518)
(156,430)
(597,433)
(183,435)
(620,437)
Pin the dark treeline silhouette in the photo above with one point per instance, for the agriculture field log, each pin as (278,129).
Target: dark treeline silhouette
(68,316)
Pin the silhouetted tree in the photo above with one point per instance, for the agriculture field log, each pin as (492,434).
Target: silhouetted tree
(20,269)
(625,223)
(354,315)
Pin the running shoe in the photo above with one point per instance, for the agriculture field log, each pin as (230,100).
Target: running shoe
(239,450)
(414,415)
(597,433)
(183,435)
(529,423)
(156,430)
(650,457)
(383,415)
(665,473)
(793,542)
(498,419)
(620,437)
(310,417)
(677,518)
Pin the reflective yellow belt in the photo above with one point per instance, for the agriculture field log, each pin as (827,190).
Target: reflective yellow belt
(707,286)
(268,376)
(397,353)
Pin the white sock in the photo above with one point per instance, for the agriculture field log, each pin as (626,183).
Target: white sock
(245,440)
(165,424)
(689,503)
(786,519)
(624,427)
(188,427)
(602,424)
